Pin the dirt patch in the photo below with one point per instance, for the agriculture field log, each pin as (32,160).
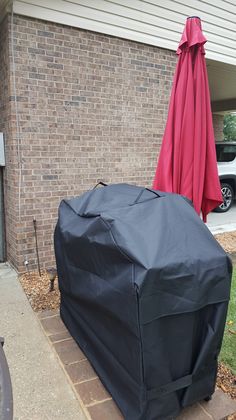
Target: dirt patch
(37,291)
(227,241)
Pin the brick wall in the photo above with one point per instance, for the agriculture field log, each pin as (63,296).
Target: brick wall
(218,124)
(90,107)
(4,74)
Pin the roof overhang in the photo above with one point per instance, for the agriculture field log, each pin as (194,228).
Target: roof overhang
(5,7)
(222,82)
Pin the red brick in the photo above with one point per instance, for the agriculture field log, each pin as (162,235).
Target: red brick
(218,124)
(81,371)
(107,410)
(69,351)
(53,325)
(59,337)
(92,392)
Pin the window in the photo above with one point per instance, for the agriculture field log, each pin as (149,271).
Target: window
(225,152)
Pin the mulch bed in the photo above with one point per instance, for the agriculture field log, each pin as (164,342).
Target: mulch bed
(226,381)
(40,298)
(227,241)
(37,291)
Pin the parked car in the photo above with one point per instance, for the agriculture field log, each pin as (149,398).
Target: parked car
(226,162)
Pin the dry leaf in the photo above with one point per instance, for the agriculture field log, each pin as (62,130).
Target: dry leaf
(223,388)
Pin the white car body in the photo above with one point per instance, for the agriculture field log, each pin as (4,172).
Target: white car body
(227,168)
(226,163)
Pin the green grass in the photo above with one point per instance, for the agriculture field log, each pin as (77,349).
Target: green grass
(228,351)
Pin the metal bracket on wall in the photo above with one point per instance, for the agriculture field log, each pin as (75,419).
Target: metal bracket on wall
(2,151)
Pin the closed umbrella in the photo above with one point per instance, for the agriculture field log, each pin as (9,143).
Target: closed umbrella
(187,162)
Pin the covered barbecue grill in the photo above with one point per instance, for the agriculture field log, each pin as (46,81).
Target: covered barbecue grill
(144,292)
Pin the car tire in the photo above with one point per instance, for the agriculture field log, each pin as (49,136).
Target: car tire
(228,197)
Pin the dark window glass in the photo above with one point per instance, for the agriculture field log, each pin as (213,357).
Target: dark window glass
(225,153)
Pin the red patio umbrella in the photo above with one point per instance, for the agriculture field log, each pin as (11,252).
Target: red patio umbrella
(187,163)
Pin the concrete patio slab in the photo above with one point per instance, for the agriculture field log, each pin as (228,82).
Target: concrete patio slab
(41,391)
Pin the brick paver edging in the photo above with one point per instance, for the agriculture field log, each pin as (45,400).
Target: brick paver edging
(95,400)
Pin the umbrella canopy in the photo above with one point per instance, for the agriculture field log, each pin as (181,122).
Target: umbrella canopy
(187,162)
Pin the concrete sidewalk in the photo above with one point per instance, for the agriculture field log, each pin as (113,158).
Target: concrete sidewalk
(40,388)
(222,222)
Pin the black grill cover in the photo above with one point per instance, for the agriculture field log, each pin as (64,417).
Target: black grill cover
(144,291)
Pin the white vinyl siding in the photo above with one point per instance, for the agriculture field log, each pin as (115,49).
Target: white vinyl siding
(156,22)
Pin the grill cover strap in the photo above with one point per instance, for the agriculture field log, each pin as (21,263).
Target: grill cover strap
(170,387)
(180,383)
